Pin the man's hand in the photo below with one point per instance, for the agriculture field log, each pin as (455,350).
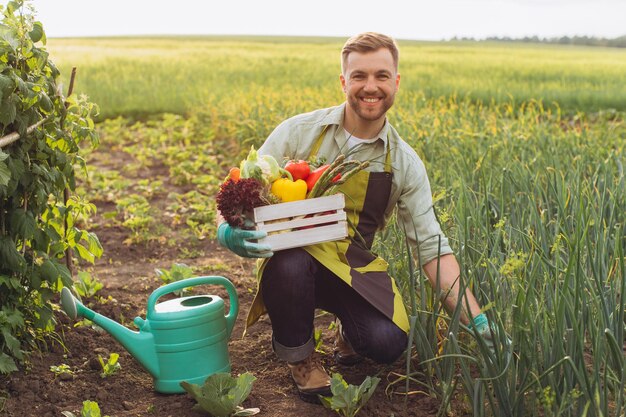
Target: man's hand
(489,334)
(236,240)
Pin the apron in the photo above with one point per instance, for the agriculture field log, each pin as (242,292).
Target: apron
(366,195)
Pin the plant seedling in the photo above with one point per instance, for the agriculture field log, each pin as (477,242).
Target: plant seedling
(319,342)
(348,399)
(176,273)
(87,286)
(111,366)
(61,369)
(90,409)
(222,394)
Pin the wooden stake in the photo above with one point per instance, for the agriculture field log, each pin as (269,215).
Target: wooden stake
(66,192)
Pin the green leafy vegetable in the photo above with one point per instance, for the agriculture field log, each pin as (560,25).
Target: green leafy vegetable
(263,168)
(348,399)
(177,272)
(90,409)
(111,366)
(222,394)
(86,285)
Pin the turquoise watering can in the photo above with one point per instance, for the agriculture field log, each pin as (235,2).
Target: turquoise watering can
(183,339)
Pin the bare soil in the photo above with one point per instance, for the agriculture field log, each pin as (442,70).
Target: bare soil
(127,272)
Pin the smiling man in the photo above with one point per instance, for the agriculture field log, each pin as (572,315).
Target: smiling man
(344,277)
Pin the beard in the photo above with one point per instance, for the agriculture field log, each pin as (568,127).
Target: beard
(370,113)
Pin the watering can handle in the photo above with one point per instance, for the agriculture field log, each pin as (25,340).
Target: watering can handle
(192,282)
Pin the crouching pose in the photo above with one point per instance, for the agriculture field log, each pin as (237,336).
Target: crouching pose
(344,277)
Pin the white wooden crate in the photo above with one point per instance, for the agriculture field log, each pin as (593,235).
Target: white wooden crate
(284,222)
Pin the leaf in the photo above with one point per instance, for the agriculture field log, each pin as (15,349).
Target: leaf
(12,344)
(5,174)
(6,86)
(49,271)
(8,111)
(243,387)
(10,282)
(14,317)
(242,412)
(9,256)
(22,223)
(7,364)
(348,399)
(37,34)
(90,409)
(221,394)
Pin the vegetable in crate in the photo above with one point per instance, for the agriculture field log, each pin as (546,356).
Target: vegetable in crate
(299,170)
(237,199)
(288,190)
(263,168)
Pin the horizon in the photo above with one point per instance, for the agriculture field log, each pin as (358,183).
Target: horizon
(420,20)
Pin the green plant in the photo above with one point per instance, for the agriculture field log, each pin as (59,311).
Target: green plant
(348,399)
(40,146)
(319,341)
(111,366)
(3,398)
(222,394)
(90,409)
(176,272)
(138,218)
(61,369)
(86,285)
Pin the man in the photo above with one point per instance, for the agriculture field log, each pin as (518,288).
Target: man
(344,277)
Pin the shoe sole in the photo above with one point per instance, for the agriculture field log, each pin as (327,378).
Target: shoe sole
(312,397)
(347,360)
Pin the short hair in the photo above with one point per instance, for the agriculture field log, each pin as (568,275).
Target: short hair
(369,42)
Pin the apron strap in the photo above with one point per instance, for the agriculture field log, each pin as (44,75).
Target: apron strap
(318,144)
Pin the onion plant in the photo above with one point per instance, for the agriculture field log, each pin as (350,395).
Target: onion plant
(534,205)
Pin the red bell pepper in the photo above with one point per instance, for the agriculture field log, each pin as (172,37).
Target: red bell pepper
(299,170)
(314,176)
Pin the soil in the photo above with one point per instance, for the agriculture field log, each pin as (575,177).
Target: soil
(127,272)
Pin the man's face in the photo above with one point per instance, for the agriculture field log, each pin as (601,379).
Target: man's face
(370,82)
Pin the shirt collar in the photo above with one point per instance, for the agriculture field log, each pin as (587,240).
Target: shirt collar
(335,117)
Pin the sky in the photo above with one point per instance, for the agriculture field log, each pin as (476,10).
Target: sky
(402,19)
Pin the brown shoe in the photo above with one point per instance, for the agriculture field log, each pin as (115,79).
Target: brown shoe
(342,350)
(311,379)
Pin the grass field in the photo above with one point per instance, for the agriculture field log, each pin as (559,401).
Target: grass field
(138,76)
(525,148)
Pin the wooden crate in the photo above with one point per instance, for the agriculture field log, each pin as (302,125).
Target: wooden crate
(302,223)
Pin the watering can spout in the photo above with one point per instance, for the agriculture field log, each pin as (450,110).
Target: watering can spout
(139,344)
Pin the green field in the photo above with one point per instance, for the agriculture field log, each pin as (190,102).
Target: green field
(138,76)
(525,147)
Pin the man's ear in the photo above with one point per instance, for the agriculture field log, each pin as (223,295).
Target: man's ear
(397,82)
(343,82)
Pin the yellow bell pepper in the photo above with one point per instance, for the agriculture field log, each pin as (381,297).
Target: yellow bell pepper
(288,190)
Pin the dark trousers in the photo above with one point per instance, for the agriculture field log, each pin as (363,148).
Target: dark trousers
(294,284)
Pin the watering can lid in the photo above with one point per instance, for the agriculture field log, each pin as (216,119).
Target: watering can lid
(184,305)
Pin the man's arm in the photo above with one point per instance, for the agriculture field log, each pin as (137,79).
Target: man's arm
(449,273)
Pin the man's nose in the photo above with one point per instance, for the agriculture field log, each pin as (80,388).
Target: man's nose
(370,84)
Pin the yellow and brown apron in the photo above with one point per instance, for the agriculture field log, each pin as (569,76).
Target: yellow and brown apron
(351,259)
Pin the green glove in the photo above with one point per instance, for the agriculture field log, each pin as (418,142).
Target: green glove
(490,335)
(237,241)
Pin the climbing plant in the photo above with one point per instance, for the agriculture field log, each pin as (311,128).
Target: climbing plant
(41,133)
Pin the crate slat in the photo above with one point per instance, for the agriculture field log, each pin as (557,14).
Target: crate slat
(297,238)
(302,222)
(326,222)
(299,208)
